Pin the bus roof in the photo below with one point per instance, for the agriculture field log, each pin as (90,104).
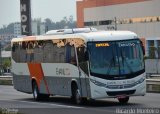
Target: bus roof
(86,36)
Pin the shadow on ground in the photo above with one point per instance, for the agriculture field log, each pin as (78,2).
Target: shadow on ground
(90,103)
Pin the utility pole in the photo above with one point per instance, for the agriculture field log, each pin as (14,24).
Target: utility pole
(115,20)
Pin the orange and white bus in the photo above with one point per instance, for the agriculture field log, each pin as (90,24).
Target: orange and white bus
(81,63)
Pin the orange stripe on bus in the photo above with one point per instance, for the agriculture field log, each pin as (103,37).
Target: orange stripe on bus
(36,72)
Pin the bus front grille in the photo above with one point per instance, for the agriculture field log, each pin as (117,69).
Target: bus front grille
(115,93)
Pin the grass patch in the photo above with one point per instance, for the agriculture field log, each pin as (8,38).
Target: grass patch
(153,88)
(6,82)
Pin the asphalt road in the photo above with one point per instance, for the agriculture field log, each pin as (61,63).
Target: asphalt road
(20,103)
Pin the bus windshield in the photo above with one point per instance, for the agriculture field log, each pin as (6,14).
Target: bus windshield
(116,59)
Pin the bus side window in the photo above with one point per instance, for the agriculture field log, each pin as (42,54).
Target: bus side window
(83,58)
(48,52)
(86,56)
(82,54)
(15,51)
(38,52)
(70,54)
(73,56)
(30,51)
(13,47)
(58,52)
(22,52)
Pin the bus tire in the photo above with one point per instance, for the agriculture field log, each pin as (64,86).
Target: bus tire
(123,100)
(76,95)
(36,95)
(45,96)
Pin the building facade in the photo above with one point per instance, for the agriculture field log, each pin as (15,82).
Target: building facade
(38,28)
(17,29)
(139,16)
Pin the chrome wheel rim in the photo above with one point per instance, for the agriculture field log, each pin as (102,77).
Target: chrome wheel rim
(35,93)
(78,96)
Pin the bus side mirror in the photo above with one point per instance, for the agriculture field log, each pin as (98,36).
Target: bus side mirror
(143,48)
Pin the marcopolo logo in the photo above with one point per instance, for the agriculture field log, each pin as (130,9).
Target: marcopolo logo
(126,44)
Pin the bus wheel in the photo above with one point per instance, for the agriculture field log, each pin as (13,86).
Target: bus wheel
(77,96)
(36,94)
(123,100)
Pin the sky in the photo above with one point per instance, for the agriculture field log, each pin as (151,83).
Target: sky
(53,9)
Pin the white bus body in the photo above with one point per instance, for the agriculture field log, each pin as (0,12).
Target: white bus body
(92,64)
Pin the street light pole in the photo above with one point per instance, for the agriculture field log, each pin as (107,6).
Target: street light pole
(0,58)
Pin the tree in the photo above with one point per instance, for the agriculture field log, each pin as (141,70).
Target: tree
(65,19)
(71,19)
(10,28)
(48,24)
(7,29)
(6,64)
(72,23)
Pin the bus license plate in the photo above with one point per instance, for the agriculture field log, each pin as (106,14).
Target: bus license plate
(121,96)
